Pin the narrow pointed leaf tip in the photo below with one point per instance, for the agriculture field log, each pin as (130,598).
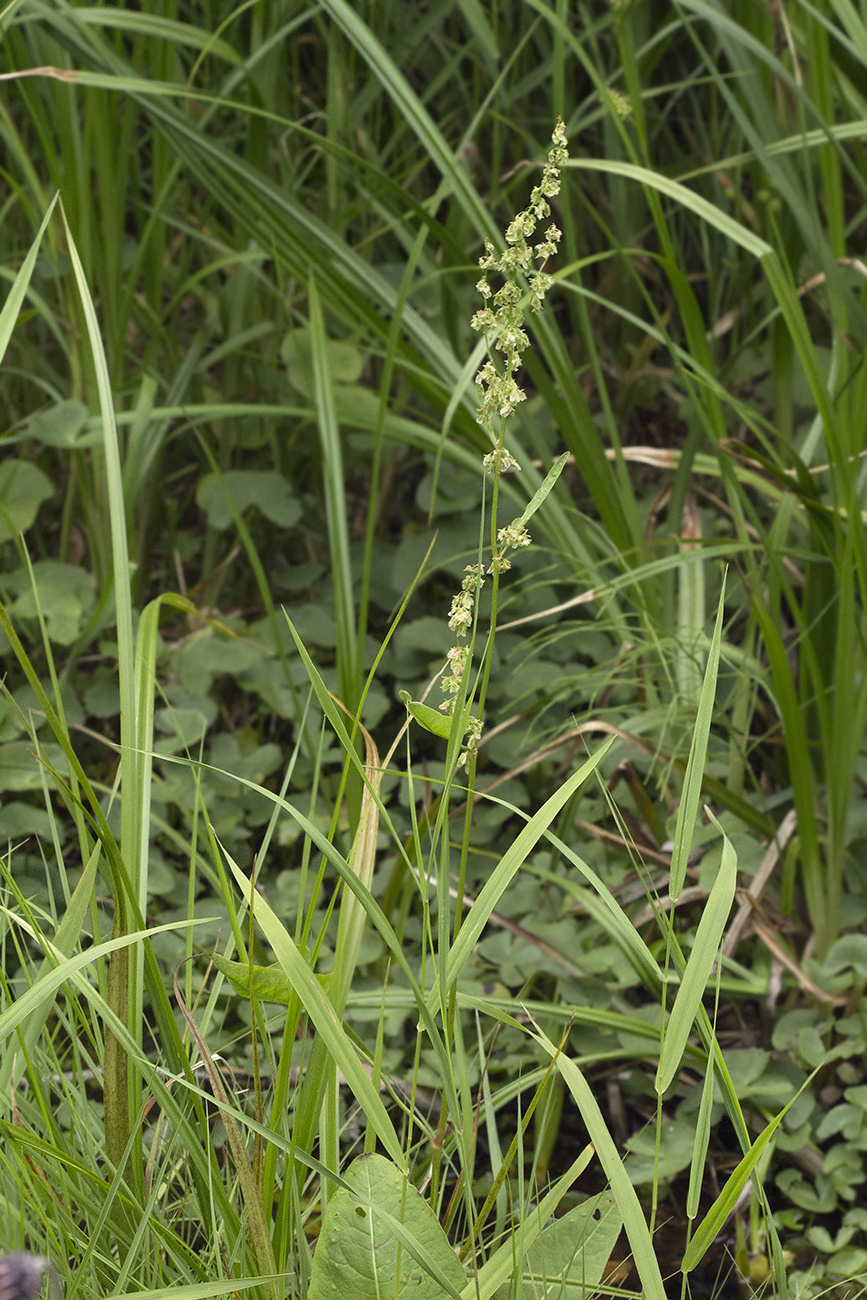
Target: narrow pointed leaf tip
(544,490)
(699,966)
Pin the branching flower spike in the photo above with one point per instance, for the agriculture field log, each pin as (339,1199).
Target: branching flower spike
(501,320)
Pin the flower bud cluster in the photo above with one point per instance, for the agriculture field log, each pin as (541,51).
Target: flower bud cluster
(460,619)
(472,736)
(461,615)
(618,103)
(500,461)
(509,538)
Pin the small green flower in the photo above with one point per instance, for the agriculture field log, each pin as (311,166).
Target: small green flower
(500,461)
(472,736)
(461,613)
(514,534)
(474,580)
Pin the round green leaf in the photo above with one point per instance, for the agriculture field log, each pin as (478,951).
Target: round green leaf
(23,488)
(345,362)
(65,593)
(20,769)
(63,426)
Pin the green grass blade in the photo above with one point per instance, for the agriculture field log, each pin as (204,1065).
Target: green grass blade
(348,670)
(725,1202)
(257,1226)
(698,968)
(499,1267)
(637,1231)
(68,967)
(125,986)
(702,1141)
(321,1012)
(15,298)
(688,810)
(203,1290)
(410,106)
(64,942)
(511,863)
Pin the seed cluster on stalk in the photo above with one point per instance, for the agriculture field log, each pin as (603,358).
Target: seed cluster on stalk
(501,320)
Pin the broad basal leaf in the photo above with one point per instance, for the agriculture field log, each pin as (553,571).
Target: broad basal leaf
(568,1259)
(381,1239)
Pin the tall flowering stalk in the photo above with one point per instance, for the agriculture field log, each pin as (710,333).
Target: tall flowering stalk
(501,320)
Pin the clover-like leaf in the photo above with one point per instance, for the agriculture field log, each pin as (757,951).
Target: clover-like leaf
(23,488)
(62,425)
(267,490)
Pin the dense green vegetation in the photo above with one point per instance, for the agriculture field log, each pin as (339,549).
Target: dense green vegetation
(589,942)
